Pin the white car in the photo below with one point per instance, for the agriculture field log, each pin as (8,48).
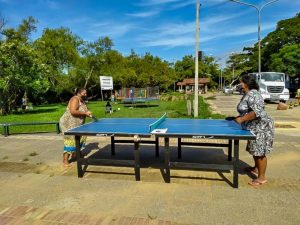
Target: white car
(228,90)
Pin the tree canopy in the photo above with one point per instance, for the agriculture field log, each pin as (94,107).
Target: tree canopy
(279,50)
(50,67)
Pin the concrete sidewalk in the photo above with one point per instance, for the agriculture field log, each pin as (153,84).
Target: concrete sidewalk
(36,189)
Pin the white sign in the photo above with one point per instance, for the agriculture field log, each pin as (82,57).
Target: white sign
(159,131)
(106,83)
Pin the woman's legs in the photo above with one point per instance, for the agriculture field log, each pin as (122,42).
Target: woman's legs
(66,156)
(261,164)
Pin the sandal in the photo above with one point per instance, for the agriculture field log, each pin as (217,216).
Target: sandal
(65,165)
(257,183)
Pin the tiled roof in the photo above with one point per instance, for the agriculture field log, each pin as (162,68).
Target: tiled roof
(191,81)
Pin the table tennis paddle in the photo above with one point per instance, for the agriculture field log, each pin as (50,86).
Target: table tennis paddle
(94,118)
(230,118)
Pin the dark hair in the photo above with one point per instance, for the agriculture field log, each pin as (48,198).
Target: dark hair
(79,90)
(250,81)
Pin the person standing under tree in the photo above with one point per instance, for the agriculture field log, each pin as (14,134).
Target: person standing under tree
(24,101)
(298,96)
(74,116)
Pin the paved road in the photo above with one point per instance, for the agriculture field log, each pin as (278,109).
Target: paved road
(287,121)
(35,189)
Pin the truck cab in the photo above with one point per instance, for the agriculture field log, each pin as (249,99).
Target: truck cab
(272,86)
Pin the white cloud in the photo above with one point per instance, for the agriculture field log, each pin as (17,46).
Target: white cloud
(174,29)
(144,14)
(110,28)
(174,35)
(75,21)
(183,4)
(183,34)
(157,2)
(239,31)
(168,42)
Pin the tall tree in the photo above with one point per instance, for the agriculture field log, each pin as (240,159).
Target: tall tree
(20,67)
(59,50)
(287,60)
(287,33)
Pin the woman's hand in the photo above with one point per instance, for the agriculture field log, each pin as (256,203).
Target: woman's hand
(239,119)
(88,114)
(247,117)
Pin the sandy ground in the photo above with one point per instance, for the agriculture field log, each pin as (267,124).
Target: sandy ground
(36,189)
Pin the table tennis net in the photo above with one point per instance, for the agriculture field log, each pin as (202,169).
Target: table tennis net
(154,125)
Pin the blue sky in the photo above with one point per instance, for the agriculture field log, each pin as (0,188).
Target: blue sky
(165,28)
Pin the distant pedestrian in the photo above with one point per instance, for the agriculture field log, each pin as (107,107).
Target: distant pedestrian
(74,116)
(112,98)
(253,117)
(24,102)
(108,107)
(298,95)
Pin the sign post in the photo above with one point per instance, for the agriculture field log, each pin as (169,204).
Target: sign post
(106,83)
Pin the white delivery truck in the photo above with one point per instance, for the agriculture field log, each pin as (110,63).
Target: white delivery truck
(272,86)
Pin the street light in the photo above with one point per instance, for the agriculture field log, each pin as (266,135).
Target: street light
(258,13)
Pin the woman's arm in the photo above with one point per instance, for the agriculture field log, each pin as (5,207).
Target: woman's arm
(247,117)
(74,108)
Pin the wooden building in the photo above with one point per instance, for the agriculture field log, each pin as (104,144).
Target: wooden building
(188,85)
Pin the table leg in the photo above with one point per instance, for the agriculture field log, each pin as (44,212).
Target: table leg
(112,144)
(236,164)
(5,131)
(167,160)
(179,148)
(78,156)
(156,146)
(137,160)
(230,150)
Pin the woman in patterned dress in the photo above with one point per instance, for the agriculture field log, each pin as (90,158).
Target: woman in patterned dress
(74,116)
(253,117)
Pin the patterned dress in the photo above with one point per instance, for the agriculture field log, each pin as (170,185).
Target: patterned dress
(66,122)
(262,126)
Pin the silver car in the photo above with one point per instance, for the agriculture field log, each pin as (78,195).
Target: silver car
(228,90)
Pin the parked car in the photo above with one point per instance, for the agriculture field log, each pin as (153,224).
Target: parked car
(228,90)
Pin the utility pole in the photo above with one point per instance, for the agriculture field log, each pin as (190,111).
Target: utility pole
(221,80)
(174,64)
(196,60)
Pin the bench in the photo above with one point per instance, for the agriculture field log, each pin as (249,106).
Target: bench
(7,125)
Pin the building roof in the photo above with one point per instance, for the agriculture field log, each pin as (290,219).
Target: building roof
(191,81)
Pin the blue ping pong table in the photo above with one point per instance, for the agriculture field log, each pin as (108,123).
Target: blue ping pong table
(137,128)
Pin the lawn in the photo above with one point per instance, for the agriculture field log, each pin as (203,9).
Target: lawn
(175,108)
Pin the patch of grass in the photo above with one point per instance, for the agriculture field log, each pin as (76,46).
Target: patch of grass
(5,157)
(211,98)
(25,159)
(33,154)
